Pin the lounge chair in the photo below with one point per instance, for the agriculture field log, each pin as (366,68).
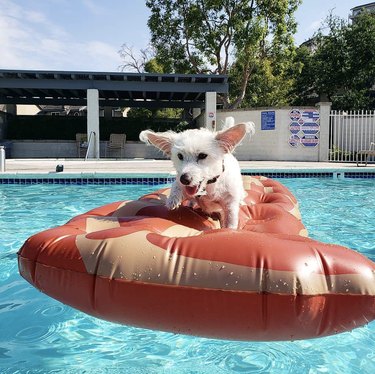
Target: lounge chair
(115,145)
(363,155)
(81,142)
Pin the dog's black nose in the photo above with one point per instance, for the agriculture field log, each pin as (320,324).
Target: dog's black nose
(185,179)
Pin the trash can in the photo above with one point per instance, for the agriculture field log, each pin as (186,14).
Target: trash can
(2,159)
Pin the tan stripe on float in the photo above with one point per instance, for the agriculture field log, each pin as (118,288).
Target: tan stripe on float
(296,212)
(248,181)
(133,257)
(180,231)
(131,208)
(304,233)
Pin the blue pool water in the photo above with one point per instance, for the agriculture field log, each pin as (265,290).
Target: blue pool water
(41,335)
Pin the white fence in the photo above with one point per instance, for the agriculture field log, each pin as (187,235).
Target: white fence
(350,132)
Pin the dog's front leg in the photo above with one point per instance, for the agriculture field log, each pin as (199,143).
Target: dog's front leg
(175,198)
(230,216)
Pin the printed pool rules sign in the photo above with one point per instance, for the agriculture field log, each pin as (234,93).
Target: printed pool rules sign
(304,128)
(268,120)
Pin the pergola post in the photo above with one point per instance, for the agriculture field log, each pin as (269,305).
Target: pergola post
(210,111)
(93,122)
(324,114)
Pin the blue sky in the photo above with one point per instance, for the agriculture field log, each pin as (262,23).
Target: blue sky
(86,35)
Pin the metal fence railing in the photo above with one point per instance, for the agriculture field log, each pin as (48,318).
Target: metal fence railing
(350,132)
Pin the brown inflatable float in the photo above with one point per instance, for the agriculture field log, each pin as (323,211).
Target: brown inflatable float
(136,263)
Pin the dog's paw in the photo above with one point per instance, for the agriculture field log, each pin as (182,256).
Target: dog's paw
(172,202)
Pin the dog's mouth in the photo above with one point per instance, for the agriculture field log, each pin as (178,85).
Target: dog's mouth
(191,190)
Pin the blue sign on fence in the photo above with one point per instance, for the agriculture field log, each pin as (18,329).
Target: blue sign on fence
(310,128)
(304,127)
(294,140)
(294,127)
(268,120)
(295,114)
(310,115)
(309,140)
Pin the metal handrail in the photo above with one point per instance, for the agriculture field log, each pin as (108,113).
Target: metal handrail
(89,143)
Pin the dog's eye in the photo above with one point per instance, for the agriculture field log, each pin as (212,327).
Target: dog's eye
(202,156)
(180,156)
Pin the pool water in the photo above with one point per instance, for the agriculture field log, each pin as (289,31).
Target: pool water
(41,335)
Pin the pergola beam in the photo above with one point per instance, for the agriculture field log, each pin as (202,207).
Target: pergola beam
(154,104)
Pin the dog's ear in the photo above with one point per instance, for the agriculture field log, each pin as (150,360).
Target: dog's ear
(162,141)
(230,138)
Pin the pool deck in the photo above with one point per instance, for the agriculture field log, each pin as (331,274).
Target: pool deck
(142,166)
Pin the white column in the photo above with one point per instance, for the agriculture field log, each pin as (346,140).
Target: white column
(210,113)
(324,113)
(93,122)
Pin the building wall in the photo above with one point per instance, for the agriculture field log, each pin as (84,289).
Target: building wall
(272,139)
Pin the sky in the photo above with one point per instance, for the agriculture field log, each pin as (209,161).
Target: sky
(86,35)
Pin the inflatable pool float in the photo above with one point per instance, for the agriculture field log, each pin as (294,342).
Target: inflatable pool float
(136,263)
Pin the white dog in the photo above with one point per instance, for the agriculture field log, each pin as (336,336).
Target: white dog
(207,172)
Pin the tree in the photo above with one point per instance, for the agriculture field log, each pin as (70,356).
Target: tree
(230,37)
(144,61)
(134,61)
(140,61)
(156,113)
(341,63)
(303,91)
(270,83)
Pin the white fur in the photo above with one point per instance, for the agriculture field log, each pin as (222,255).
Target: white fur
(228,122)
(194,171)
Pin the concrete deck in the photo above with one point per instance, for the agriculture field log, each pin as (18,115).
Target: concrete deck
(142,166)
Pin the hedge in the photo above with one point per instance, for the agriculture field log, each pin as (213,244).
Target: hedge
(65,127)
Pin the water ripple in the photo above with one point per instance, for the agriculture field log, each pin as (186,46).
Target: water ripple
(36,333)
(52,311)
(250,361)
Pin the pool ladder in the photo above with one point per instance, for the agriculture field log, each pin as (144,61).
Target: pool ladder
(89,143)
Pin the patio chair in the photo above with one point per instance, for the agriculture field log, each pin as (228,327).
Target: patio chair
(81,142)
(365,154)
(115,145)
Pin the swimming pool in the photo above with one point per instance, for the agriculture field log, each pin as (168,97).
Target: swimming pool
(42,335)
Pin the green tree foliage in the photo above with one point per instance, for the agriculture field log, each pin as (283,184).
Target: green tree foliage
(249,40)
(340,64)
(271,83)
(155,113)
